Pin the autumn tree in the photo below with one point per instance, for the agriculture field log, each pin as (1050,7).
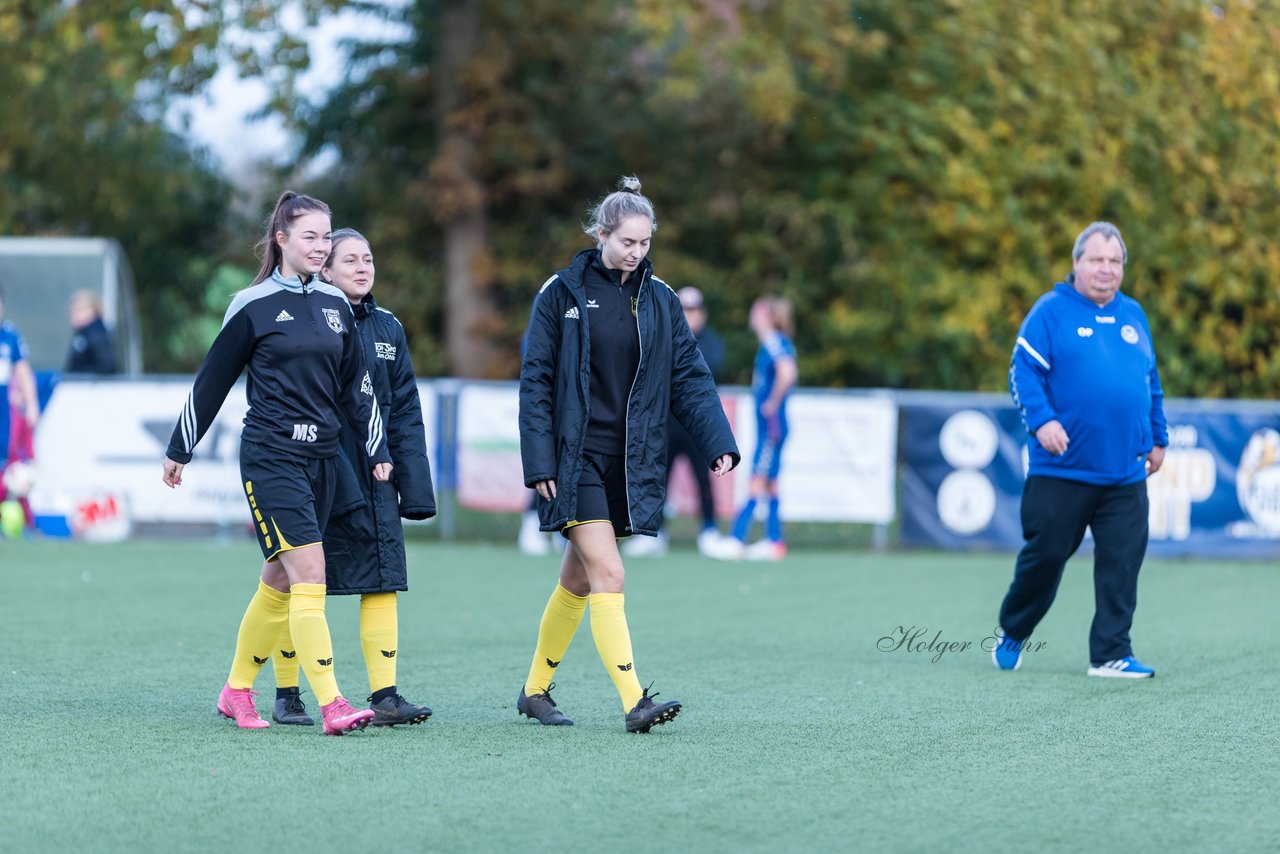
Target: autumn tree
(90,144)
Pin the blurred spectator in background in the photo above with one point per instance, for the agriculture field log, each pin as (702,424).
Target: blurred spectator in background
(19,406)
(680,443)
(531,540)
(91,351)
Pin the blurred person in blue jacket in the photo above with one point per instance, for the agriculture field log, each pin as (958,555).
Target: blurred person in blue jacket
(774,377)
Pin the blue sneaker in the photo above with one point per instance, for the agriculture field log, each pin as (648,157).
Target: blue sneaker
(1123,668)
(1007,654)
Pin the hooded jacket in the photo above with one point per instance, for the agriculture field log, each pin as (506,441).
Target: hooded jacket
(671,379)
(364,549)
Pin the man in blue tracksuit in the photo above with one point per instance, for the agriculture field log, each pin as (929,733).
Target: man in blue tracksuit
(1084,375)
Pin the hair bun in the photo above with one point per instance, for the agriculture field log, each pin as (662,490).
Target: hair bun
(629,184)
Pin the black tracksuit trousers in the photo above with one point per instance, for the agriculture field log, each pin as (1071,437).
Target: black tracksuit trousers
(1055,513)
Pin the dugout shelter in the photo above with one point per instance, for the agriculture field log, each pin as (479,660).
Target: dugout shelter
(39,276)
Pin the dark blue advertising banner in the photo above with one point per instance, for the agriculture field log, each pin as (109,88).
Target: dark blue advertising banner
(963,463)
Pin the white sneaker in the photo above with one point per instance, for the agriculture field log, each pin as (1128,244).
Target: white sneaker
(646,546)
(1123,668)
(726,548)
(708,540)
(766,550)
(531,540)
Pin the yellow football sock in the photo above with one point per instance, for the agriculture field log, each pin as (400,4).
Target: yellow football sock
(284,658)
(613,642)
(379,633)
(268,611)
(559,622)
(310,632)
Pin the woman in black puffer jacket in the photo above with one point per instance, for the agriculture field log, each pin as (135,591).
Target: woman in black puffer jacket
(364,547)
(609,359)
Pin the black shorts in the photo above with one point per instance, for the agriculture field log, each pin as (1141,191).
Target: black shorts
(290,497)
(602,494)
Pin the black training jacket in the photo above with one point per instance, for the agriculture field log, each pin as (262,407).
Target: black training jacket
(364,549)
(305,371)
(672,379)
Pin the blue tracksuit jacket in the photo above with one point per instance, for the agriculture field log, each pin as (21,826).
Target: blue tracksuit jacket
(1093,370)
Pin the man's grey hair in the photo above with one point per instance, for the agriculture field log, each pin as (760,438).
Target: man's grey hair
(1107,230)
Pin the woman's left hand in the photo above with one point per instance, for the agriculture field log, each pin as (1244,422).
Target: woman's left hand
(382,471)
(723,466)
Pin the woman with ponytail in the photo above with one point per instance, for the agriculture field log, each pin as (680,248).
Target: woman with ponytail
(609,359)
(773,379)
(306,374)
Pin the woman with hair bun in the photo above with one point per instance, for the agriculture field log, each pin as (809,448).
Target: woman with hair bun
(609,359)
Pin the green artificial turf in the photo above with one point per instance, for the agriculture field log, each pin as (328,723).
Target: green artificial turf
(798,733)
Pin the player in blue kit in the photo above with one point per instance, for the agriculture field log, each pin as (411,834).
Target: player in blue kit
(1084,375)
(773,378)
(19,408)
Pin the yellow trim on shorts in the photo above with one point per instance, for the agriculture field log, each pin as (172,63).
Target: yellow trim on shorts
(285,545)
(575,524)
(564,529)
(275,555)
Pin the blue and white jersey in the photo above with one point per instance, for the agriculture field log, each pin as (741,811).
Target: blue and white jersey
(1094,371)
(12,351)
(773,349)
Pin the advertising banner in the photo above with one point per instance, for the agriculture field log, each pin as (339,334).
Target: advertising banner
(837,465)
(1217,494)
(101,445)
(839,459)
(490,474)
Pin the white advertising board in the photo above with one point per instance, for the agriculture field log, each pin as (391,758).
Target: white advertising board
(840,459)
(108,438)
(490,474)
(839,463)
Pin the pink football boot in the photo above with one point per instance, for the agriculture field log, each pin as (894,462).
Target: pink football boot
(340,718)
(237,704)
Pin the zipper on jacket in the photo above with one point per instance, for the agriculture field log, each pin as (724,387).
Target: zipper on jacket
(626,448)
(306,302)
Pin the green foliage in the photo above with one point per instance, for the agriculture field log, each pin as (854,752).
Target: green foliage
(910,172)
(194,332)
(85,149)
(985,138)
(935,164)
